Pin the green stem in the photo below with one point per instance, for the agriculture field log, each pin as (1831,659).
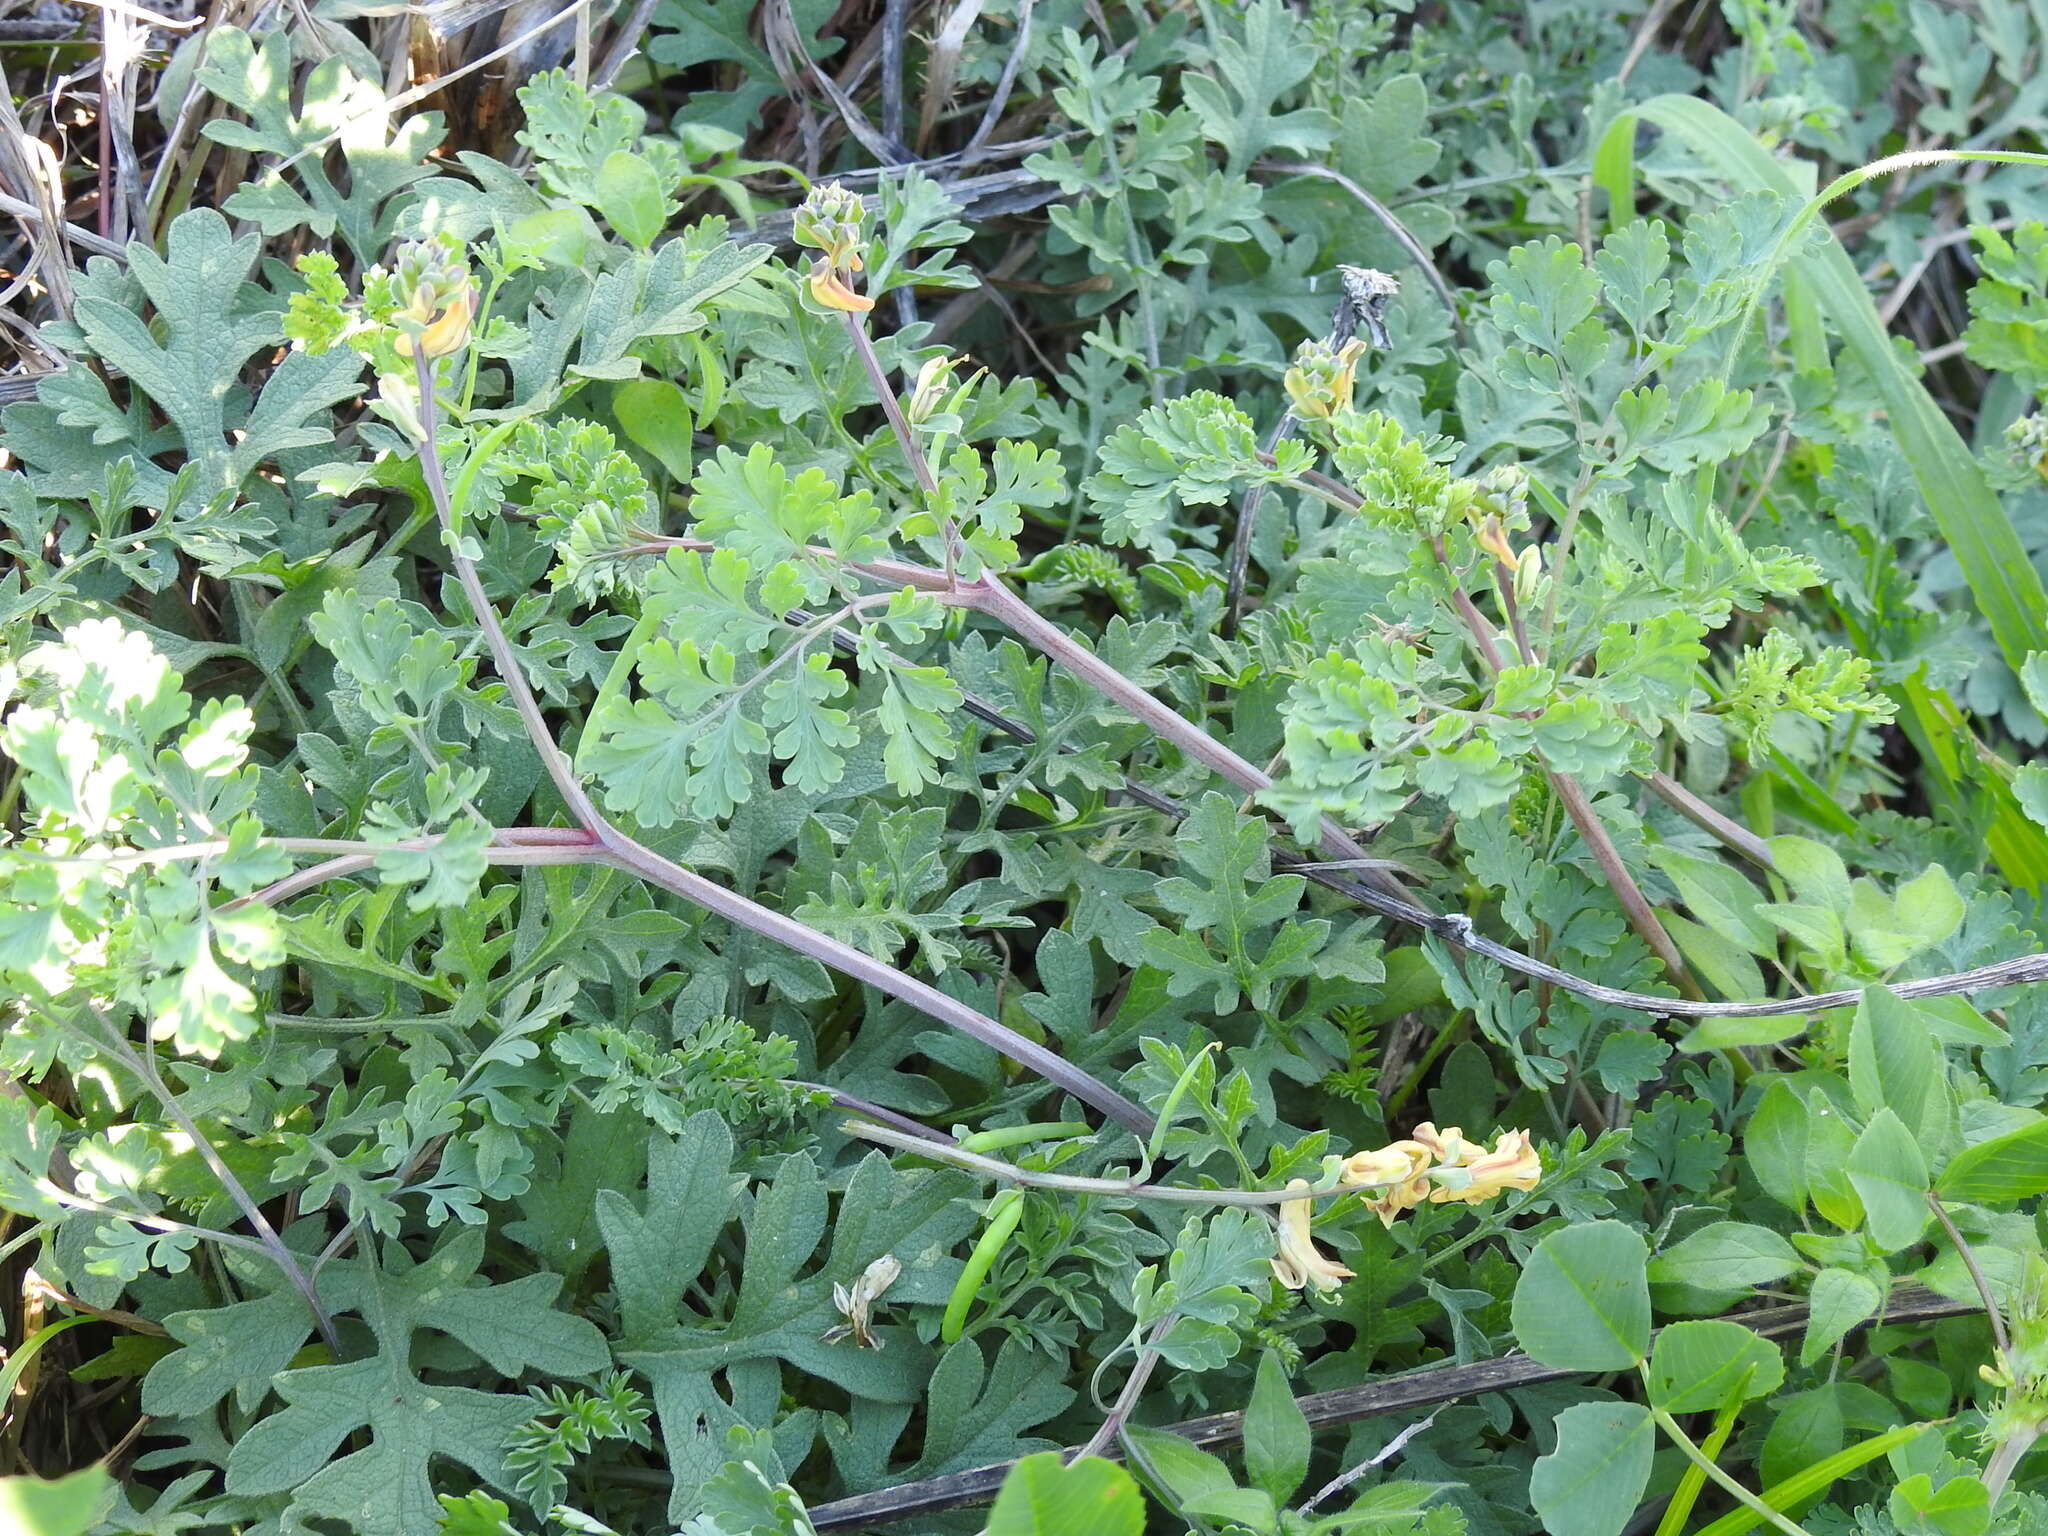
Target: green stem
(1679,1510)
(1727,1484)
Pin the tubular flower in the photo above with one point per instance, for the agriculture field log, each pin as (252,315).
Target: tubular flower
(1512,1164)
(444,333)
(1448,1146)
(1404,1196)
(1492,538)
(831,290)
(1299,1262)
(1400,1172)
(1394,1164)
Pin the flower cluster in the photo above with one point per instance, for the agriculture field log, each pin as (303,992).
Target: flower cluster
(832,220)
(1442,1167)
(1439,1166)
(1321,380)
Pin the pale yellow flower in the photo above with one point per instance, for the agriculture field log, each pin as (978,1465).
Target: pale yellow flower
(1512,1164)
(1395,1164)
(1440,1166)
(1400,1173)
(1493,538)
(1299,1262)
(1402,1197)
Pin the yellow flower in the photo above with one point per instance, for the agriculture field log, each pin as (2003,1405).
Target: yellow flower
(1401,1197)
(1299,1262)
(1512,1164)
(1399,1172)
(1448,1146)
(444,333)
(1492,538)
(830,289)
(1440,1166)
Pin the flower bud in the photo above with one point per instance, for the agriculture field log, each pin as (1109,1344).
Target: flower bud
(2027,440)
(1508,487)
(934,383)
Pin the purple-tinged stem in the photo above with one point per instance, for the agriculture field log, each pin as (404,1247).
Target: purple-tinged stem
(568,845)
(1730,832)
(891,407)
(559,770)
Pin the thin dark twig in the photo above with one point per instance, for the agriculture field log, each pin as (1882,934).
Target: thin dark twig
(878,1113)
(1346,1405)
(780,23)
(625,43)
(1381,1457)
(1969,1258)
(895,24)
(1247,525)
